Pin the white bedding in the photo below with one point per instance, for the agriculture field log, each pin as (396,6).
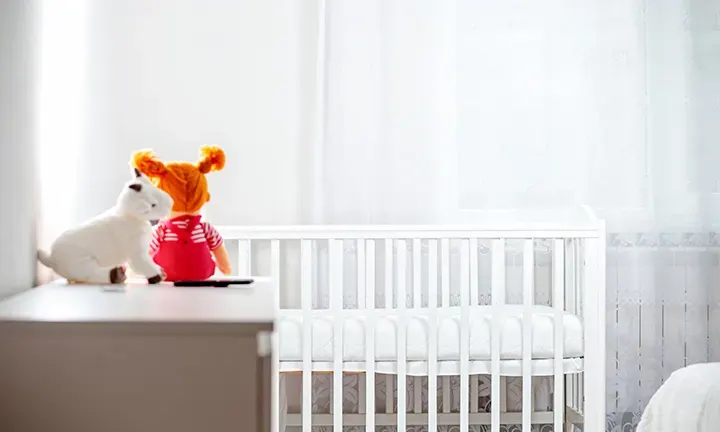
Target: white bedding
(448,353)
(688,401)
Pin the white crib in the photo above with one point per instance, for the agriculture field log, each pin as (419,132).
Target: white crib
(467,292)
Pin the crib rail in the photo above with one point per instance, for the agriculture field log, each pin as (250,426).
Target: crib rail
(413,270)
(493,231)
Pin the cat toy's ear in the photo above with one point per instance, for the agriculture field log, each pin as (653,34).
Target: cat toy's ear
(145,162)
(212,158)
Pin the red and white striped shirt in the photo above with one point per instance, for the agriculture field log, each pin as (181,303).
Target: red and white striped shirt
(203,232)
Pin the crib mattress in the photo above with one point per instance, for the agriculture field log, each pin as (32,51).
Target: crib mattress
(290,332)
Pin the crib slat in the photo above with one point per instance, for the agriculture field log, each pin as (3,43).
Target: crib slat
(558,280)
(528,294)
(577,280)
(389,262)
(244,258)
(498,300)
(445,287)
(474,301)
(571,299)
(474,292)
(594,303)
(389,252)
(445,302)
(432,346)
(417,269)
(464,334)
(306,304)
(275,269)
(445,271)
(360,247)
(370,337)
(370,274)
(336,306)
(275,382)
(571,288)
(402,334)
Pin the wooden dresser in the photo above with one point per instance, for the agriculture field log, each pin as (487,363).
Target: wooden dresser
(79,358)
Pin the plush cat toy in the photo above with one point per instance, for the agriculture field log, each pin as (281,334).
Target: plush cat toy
(96,251)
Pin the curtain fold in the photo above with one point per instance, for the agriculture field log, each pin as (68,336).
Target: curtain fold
(382,136)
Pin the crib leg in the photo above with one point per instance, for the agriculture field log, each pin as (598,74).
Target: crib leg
(569,427)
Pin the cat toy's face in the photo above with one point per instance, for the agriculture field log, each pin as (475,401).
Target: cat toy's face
(142,199)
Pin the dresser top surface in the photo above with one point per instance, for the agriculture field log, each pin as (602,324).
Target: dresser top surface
(163,303)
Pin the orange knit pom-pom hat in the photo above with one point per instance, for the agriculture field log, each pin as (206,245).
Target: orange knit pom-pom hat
(184,181)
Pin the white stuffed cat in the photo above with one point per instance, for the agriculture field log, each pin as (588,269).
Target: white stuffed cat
(97,250)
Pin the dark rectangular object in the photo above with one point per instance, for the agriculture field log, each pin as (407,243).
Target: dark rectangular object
(213,283)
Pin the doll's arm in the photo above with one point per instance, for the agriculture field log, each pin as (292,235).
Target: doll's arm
(222,260)
(217,247)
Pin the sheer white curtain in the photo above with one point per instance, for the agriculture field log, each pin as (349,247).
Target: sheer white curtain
(449,107)
(439,110)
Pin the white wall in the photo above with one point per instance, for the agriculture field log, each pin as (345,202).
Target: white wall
(173,75)
(17,138)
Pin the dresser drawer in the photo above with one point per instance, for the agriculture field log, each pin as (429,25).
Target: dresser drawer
(119,378)
(151,360)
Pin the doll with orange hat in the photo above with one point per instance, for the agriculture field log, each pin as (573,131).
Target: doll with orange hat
(184,245)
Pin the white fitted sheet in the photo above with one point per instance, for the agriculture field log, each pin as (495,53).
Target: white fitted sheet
(448,351)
